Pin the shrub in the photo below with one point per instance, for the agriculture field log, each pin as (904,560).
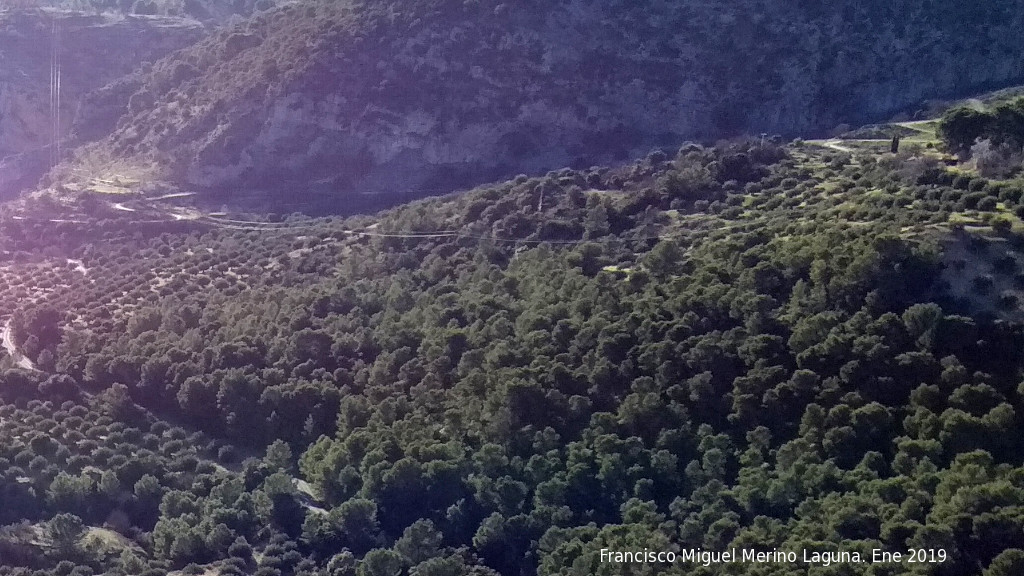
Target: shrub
(979,201)
(982,284)
(1007,300)
(996,161)
(962,182)
(1001,223)
(1005,265)
(987,204)
(960,127)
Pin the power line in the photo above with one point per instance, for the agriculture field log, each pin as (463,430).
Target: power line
(57,125)
(224,223)
(255,226)
(53,82)
(284,227)
(55,89)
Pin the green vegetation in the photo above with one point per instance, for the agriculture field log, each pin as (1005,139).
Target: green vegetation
(744,346)
(994,137)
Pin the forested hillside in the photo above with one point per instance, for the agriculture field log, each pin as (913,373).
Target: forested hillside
(321,103)
(752,345)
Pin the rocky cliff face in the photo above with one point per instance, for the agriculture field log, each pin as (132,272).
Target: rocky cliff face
(94,50)
(385,99)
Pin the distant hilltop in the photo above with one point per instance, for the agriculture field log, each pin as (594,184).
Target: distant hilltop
(326,103)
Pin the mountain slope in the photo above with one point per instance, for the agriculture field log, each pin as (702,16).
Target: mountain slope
(334,100)
(748,346)
(94,50)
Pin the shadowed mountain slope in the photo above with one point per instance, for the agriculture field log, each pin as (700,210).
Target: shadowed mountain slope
(321,102)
